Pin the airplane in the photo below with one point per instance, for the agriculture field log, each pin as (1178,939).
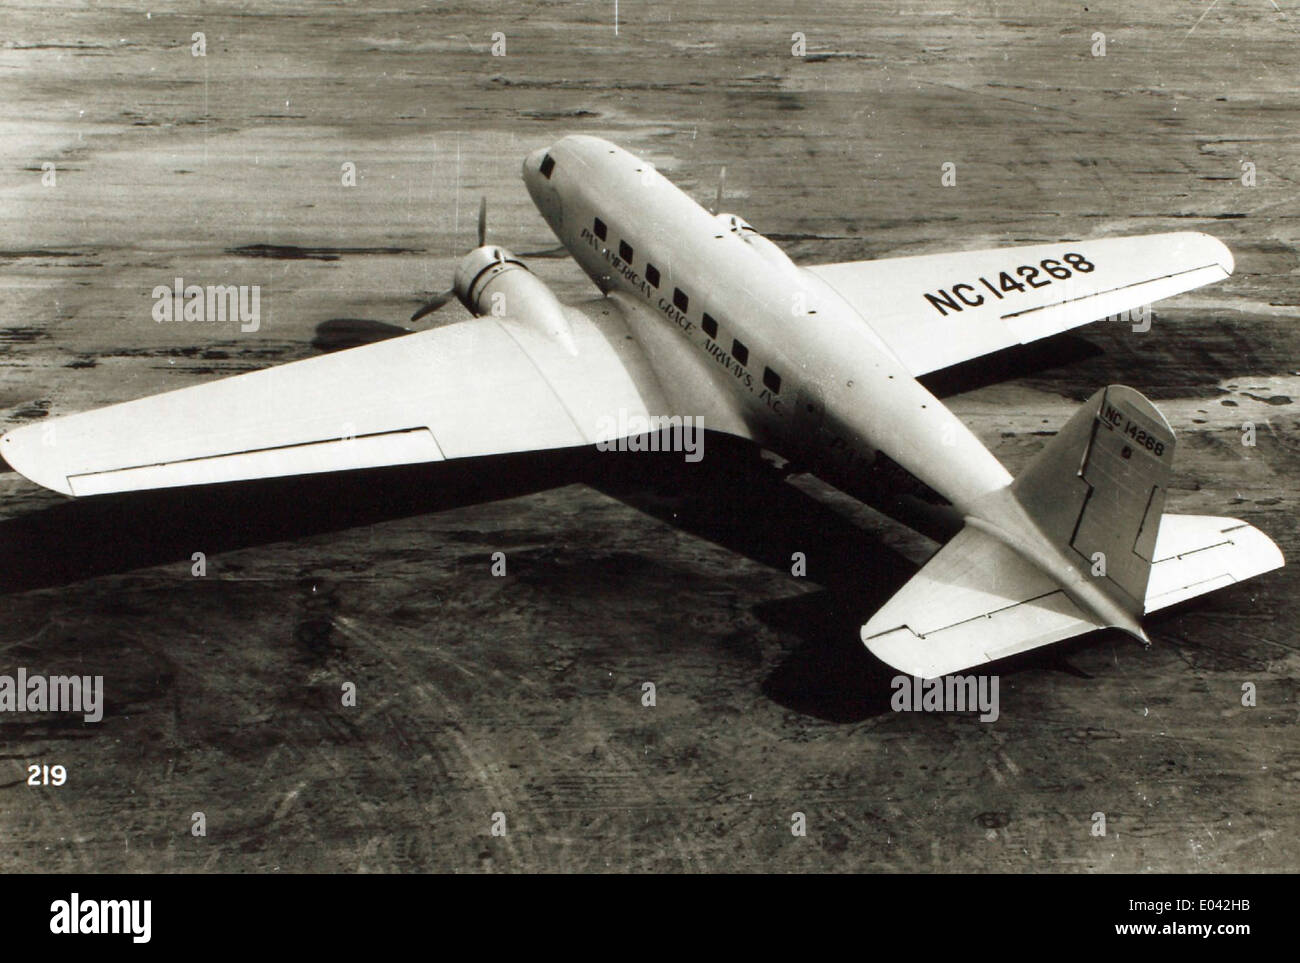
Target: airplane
(700,316)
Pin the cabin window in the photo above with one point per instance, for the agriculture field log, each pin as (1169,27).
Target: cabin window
(652,274)
(680,300)
(625,251)
(547,165)
(600,229)
(739,351)
(772,381)
(709,325)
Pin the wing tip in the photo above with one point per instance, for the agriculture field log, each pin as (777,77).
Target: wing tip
(1216,251)
(20,450)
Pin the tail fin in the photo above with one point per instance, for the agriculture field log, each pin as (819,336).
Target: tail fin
(1095,495)
(1098,490)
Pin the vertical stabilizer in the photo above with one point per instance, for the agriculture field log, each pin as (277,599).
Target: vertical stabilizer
(1098,490)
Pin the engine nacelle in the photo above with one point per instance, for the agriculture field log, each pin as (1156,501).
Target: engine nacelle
(492,281)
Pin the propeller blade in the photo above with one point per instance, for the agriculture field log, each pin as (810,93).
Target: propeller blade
(560,251)
(434,305)
(482,220)
(722,181)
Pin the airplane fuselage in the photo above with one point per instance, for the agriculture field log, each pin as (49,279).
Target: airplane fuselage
(806,371)
(839,395)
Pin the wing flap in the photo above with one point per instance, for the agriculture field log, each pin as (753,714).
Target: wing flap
(937,310)
(370,451)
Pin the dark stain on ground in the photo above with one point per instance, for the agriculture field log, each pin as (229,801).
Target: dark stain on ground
(38,253)
(291,252)
(23,335)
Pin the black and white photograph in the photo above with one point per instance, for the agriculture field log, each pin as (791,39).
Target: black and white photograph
(630,437)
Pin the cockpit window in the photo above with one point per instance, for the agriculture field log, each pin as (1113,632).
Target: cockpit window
(547,165)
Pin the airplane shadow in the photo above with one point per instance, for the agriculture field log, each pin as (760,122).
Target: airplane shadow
(339,334)
(730,498)
(71,541)
(1009,363)
(735,500)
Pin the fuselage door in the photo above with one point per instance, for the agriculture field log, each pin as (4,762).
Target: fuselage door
(809,417)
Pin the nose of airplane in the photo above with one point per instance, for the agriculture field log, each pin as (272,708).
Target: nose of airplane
(538,168)
(532,165)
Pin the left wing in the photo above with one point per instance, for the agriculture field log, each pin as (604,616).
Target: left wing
(936,310)
(480,387)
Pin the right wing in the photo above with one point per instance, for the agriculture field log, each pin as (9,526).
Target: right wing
(936,310)
(480,387)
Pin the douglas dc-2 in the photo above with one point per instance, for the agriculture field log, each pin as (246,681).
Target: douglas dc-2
(702,317)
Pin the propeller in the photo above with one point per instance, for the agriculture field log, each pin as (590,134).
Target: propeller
(480,257)
(558,251)
(442,297)
(722,182)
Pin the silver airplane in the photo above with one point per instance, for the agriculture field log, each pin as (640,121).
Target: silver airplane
(704,318)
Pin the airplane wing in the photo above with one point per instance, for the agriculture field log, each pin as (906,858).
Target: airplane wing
(936,310)
(479,387)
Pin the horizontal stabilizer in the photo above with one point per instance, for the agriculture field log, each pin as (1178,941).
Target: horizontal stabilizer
(977,600)
(1196,554)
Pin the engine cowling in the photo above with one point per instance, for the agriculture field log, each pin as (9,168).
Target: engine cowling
(492,281)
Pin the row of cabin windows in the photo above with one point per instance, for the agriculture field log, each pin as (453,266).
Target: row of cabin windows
(739,351)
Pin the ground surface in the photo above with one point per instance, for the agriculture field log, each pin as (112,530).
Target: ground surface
(522,695)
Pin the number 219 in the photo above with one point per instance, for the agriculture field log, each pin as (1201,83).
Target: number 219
(46,775)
